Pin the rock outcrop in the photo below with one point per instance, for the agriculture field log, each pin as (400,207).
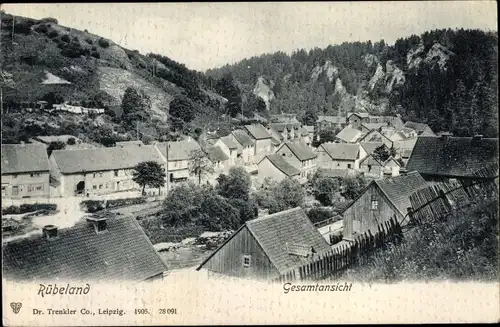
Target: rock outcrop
(263,91)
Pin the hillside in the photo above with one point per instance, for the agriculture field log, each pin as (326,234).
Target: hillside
(446,78)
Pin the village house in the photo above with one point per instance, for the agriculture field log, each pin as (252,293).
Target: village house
(301,157)
(262,139)
(221,163)
(376,136)
(267,247)
(420,129)
(101,170)
(370,147)
(310,134)
(25,171)
(356,119)
(129,143)
(441,158)
(247,144)
(231,148)
(380,201)
(179,157)
(349,135)
(98,248)
(374,168)
(330,122)
(340,155)
(288,131)
(403,134)
(277,167)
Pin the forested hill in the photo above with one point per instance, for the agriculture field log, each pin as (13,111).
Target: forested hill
(446,78)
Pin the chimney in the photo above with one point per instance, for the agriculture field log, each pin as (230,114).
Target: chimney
(477,137)
(50,231)
(402,171)
(100,224)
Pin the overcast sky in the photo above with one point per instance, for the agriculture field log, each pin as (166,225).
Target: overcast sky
(207,35)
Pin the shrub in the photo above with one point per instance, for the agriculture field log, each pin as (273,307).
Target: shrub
(71,141)
(24,208)
(49,20)
(92,206)
(24,27)
(317,214)
(103,43)
(95,54)
(89,40)
(41,29)
(65,38)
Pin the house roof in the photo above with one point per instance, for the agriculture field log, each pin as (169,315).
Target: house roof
(371,146)
(301,151)
(406,153)
(100,159)
(230,143)
(341,151)
(257,131)
(359,114)
(122,252)
(52,138)
(282,164)
(130,143)
(348,134)
(419,128)
(275,141)
(242,137)
(304,131)
(278,233)
(178,150)
(370,160)
(371,137)
(215,153)
(24,158)
(455,156)
(332,119)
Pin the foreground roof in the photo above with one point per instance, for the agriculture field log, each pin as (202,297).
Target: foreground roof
(282,164)
(341,151)
(23,158)
(122,252)
(453,156)
(101,159)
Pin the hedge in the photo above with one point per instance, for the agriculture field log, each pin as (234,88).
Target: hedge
(24,208)
(92,206)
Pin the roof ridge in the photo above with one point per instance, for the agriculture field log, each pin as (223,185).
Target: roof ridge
(272,215)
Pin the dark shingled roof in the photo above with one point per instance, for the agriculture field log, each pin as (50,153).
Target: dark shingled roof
(229,142)
(341,151)
(215,154)
(242,137)
(257,131)
(24,158)
(122,252)
(178,150)
(301,151)
(100,159)
(371,146)
(419,127)
(282,164)
(452,157)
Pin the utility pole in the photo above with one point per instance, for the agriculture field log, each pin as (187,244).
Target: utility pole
(137,130)
(166,170)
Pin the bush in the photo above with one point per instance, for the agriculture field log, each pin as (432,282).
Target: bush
(65,38)
(24,27)
(92,206)
(53,34)
(95,54)
(103,43)
(41,29)
(49,20)
(71,141)
(24,208)
(317,214)
(89,40)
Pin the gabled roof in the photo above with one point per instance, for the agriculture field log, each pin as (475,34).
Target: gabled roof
(304,131)
(350,135)
(178,150)
(257,131)
(122,252)
(331,119)
(452,157)
(370,160)
(101,159)
(24,158)
(371,146)
(359,114)
(230,143)
(242,137)
(215,153)
(301,151)
(54,138)
(419,128)
(282,164)
(278,233)
(341,151)
(367,138)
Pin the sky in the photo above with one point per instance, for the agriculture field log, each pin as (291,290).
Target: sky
(209,35)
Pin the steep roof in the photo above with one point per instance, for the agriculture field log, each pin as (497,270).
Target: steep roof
(282,164)
(257,131)
(398,189)
(359,114)
(230,143)
(455,156)
(24,158)
(348,134)
(370,160)
(301,151)
(341,151)
(371,136)
(215,153)
(371,146)
(100,159)
(122,252)
(242,137)
(178,150)
(419,128)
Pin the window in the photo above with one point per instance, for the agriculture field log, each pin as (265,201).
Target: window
(35,174)
(247,261)
(374,205)
(93,175)
(35,187)
(107,185)
(14,176)
(100,174)
(100,186)
(94,187)
(116,173)
(348,165)
(284,154)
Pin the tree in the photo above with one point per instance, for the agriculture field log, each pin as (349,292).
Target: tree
(381,153)
(327,135)
(288,194)
(71,141)
(325,189)
(55,145)
(53,98)
(149,173)
(181,111)
(310,117)
(136,105)
(352,187)
(236,185)
(199,164)
(182,205)
(252,104)
(216,213)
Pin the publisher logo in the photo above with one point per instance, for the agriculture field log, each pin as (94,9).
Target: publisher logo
(16,306)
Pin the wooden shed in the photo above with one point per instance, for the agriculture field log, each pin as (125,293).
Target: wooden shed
(264,248)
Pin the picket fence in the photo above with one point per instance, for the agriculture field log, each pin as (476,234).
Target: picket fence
(332,264)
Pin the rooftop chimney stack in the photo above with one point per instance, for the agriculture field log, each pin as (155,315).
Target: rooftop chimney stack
(50,231)
(477,137)
(100,224)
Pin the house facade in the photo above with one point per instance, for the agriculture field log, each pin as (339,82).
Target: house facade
(330,122)
(25,171)
(340,155)
(221,163)
(301,157)
(262,139)
(179,157)
(247,145)
(232,149)
(278,168)
(376,136)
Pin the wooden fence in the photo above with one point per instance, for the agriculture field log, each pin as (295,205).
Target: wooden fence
(332,264)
